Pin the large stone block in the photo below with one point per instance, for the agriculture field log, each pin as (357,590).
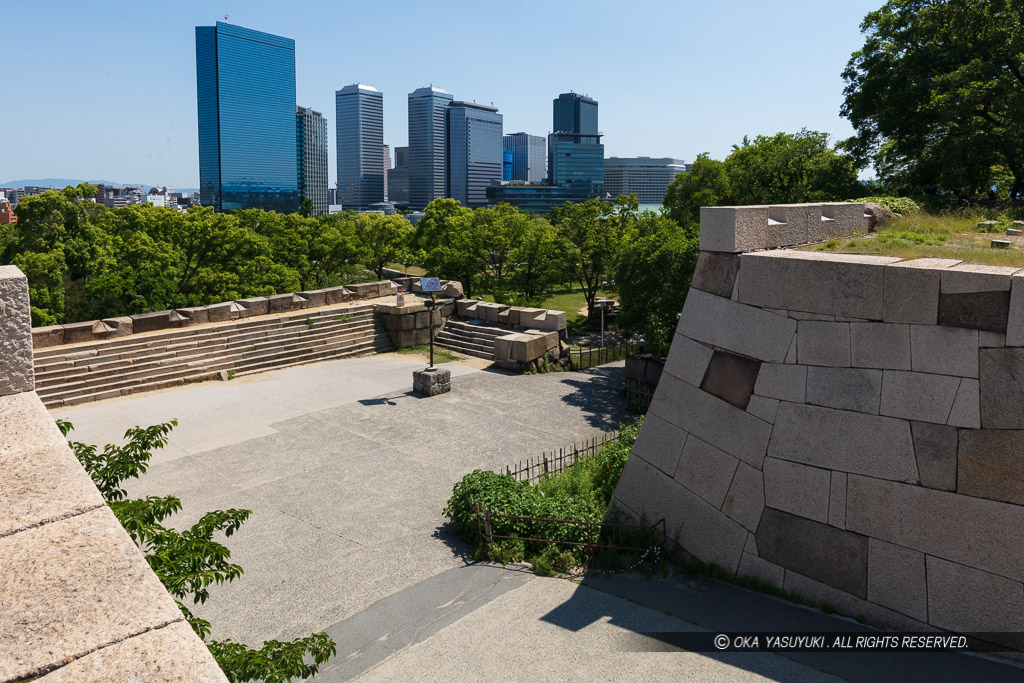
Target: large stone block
(763,408)
(709,418)
(971,531)
(967,600)
(987,311)
(850,285)
(660,443)
(966,410)
(255,306)
(75,585)
(337,295)
(823,343)
(792,224)
(1002,388)
(991,464)
(314,298)
(935,447)
(529,347)
(797,488)
(844,441)
(745,500)
(699,528)
(830,555)
(918,395)
(968,277)
(279,303)
(896,579)
(944,350)
(453,290)
(687,360)
(18,373)
(733,228)
(365,290)
(912,290)
(782,382)
(51,335)
(553,320)
(223,312)
(705,470)
(736,327)
(466,308)
(845,388)
(1015,319)
(837,500)
(731,378)
(150,322)
(846,218)
(716,273)
(197,315)
(78,333)
(751,565)
(885,346)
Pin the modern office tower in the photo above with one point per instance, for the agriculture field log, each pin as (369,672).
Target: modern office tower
(645,177)
(360,140)
(426,145)
(311,157)
(506,165)
(398,177)
(473,157)
(575,114)
(245,82)
(332,196)
(529,157)
(387,168)
(575,152)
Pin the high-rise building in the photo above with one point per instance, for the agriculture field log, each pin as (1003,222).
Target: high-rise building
(245,83)
(575,152)
(529,157)
(7,215)
(645,177)
(398,177)
(387,168)
(360,139)
(427,145)
(473,156)
(311,157)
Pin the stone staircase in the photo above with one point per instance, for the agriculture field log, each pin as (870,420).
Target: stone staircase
(469,338)
(78,373)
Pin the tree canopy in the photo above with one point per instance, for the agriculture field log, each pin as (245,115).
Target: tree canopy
(936,94)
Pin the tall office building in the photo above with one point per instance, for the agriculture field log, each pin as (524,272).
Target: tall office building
(426,145)
(575,152)
(398,177)
(387,168)
(311,157)
(529,157)
(401,156)
(473,156)
(245,83)
(645,177)
(360,140)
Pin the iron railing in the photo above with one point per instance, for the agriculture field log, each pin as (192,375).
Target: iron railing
(588,358)
(555,462)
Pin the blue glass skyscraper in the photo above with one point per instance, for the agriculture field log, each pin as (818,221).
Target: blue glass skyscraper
(473,159)
(529,157)
(575,152)
(245,83)
(360,141)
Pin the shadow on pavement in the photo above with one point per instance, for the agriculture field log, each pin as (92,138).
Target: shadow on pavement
(600,397)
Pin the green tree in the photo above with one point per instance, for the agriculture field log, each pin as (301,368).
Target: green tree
(307,208)
(936,94)
(188,562)
(591,240)
(441,239)
(538,256)
(707,184)
(381,240)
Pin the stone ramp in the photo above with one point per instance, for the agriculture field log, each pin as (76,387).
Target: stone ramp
(91,371)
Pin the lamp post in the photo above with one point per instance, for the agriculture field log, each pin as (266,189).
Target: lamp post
(601,304)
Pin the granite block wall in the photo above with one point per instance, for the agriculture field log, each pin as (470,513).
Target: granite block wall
(849,427)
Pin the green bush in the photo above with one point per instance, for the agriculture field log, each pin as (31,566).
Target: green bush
(900,205)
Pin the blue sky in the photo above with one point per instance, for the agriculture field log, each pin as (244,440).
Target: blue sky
(108,91)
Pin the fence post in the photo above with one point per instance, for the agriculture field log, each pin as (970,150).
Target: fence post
(488,533)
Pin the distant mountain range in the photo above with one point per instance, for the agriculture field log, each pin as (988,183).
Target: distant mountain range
(60,183)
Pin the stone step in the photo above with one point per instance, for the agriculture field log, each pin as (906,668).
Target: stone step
(473,343)
(479,330)
(477,350)
(376,344)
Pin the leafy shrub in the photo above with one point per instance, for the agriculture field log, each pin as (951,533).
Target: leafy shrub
(553,560)
(901,205)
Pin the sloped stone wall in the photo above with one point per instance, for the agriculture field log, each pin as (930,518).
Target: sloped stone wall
(849,427)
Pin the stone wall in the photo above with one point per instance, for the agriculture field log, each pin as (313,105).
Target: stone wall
(847,427)
(409,325)
(78,600)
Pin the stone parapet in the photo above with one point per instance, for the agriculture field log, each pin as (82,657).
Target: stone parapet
(845,426)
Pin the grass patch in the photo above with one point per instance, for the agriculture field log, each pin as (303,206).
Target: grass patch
(443,354)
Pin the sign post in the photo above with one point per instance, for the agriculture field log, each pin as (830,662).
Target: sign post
(431,285)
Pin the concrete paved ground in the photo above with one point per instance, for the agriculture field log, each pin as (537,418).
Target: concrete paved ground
(346,473)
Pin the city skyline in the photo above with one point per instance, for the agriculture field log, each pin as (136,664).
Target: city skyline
(658,98)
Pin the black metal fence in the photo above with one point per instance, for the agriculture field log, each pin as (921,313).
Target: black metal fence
(554,462)
(588,358)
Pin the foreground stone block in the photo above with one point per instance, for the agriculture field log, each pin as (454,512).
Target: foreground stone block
(944,350)
(966,410)
(976,310)
(365,290)
(751,565)
(845,388)
(452,290)
(912,290)
(837,500)
(15,333)
(991,464)
(962,529)
(885,346)
(968,277)
(745,500)
(52,335)
(687,360)
(466,308)
(660,443)
(432,381)
(223,312)
(733,326)
(823,343)
(731,378)
(763,408)
(1002,388)
(782,382)
(936,449)
(791,224)
(194,315)
(918,396)
(846,218)
(844,441)
(336,295)
(795,488)
(716,273)
(150,322)
(733,229)
(1015,319)
(705,470)
(254,306)
(314,298)
(79,584)
(896,579)
(834,557)
(78,333)
(709,418)
(279,303)
(967,600)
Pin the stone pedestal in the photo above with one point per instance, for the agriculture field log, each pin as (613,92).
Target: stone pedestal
(432,381)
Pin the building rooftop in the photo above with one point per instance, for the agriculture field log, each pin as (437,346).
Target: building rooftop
(356,87)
